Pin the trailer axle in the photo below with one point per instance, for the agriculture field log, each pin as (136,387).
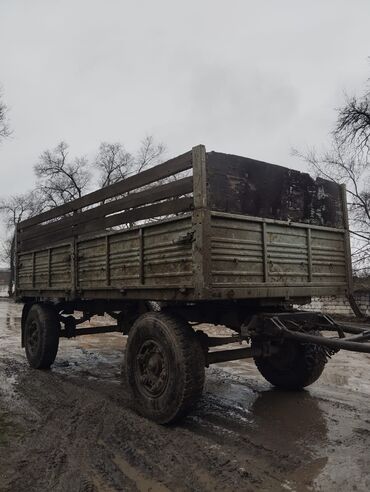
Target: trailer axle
(91,330)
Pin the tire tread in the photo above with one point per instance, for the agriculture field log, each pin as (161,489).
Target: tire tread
(190,351)
(310,363)
(50,327)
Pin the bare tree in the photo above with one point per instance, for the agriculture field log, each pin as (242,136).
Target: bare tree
(353,124)
(13,211)
(59,179)
(115,163)
(20,207)
(347,161)
(149,154)
(6,249)
(4,123)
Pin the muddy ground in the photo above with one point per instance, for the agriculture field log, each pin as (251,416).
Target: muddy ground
(71,428)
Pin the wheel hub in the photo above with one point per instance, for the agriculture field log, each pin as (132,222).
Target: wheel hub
(152,367)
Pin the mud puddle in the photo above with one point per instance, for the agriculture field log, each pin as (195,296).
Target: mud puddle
(71,428)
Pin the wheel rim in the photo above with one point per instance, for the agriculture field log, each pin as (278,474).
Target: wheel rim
(33,338)
(152,369)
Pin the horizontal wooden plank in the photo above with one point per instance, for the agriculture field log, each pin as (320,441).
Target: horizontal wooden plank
(150,211)
(180,292)
(239,217)
(169,190)
(168,168)
(153,292)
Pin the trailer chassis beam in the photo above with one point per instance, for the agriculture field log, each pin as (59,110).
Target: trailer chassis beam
(241,353)
(333,343)
(299,326)
(90,330)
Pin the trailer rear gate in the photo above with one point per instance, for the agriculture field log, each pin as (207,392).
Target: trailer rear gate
(237,228)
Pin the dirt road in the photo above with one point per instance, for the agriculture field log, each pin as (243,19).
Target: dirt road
(71,429)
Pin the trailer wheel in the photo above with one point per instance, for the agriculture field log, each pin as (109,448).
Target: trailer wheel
(295,366)
(41,336)
(164,365)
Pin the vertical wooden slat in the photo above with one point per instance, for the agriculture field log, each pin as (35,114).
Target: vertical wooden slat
(199,177)
(141,255)
(33,268)
(107,259)
(265,259)
(49,267)
(347,242)
(74,268)
(309,254)
(201,221)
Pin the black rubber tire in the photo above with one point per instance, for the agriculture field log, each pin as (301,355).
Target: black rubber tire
(41,336)
(295,366)
(181,366)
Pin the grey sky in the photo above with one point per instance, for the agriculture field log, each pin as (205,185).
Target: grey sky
(247,77)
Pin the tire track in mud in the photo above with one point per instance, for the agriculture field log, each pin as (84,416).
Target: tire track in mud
(89,437)
(84,436)
(76,432)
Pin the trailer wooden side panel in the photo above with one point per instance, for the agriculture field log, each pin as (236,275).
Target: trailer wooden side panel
(153,257)
(260,256)
(239,185)
(236,229)
(48,268)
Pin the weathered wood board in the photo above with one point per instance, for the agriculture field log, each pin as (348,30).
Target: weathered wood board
(245,186)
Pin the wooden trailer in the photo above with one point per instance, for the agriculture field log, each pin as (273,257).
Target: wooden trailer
(212,238)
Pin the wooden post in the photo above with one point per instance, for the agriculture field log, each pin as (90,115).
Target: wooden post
(199,177)
(264,248)
(33,269)
(107,260)
(141,256)
(347,244)
(49,267)
(309,254)
(74,267)
(201,225)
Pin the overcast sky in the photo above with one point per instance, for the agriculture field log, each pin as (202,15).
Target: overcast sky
(241,76)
